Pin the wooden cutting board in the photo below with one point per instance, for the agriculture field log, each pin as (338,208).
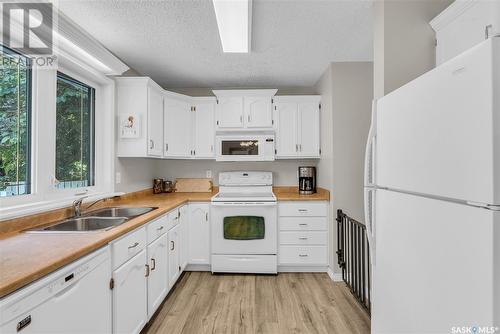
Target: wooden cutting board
(193,185)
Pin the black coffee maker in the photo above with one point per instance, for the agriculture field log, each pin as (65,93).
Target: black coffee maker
(307,180)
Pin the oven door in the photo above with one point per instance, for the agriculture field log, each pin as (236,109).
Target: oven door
(244,228)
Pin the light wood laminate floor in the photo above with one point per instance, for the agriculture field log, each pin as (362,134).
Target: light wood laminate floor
(287,303)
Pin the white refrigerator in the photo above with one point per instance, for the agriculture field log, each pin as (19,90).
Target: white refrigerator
(432,199)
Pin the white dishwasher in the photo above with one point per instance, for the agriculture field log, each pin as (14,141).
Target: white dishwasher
(74,299)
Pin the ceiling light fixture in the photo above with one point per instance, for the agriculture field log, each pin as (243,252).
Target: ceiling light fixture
(234,20)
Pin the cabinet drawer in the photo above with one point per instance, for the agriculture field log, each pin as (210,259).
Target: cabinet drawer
(172,218)
(157,228)
(307,255)
(303,238)
(301,209)
(128,246)
(303,223)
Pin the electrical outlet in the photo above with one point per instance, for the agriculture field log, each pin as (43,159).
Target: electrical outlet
(118,178)
(209,174)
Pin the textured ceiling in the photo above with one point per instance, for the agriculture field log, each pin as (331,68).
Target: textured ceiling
(176,42)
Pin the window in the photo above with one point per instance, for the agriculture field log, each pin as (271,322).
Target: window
(74,133)
(15,123)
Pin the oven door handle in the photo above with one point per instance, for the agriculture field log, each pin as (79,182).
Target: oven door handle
(243,204)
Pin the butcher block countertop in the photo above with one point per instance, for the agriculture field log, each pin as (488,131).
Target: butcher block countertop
(26,257)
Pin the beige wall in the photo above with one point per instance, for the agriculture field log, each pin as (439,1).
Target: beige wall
(135,173)
(404,42)
(346,93)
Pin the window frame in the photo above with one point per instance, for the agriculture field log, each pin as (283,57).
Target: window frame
(29,125)
(44,196)
(92,172)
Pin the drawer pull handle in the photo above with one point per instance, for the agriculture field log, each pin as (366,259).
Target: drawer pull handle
(159,228)
(173,245)
(303,255)
(133,246)
(303,224)
(153,264)
(302,238)
(303,210)
(147,270)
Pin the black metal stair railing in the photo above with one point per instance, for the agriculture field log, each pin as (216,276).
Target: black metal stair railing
(353,256)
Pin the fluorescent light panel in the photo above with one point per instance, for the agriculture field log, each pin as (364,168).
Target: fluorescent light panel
(234,20)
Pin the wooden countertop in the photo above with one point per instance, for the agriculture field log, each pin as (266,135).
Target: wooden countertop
(26,257)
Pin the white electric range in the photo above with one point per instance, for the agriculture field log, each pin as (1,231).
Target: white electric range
(244,224)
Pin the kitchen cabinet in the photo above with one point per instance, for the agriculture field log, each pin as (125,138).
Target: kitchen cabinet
(204,128)
(199,234)
(158,279)
(130,295)
(297,129)
(184,235)
(303,235)
(174,268)
(178,128)
(139,101)
(244,109)
(464,24)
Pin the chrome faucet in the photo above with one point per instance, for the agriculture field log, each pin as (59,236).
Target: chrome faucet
(77,206)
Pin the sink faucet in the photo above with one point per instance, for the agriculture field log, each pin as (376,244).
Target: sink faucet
(77,205)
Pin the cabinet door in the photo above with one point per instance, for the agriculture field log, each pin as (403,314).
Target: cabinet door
(174,269)
(158,274)
(199,228)
(258,112)
(286,132)
(130,295)
(229,112)
(155,121)
(308,125)
(204,133)
(177,129)
(184,235)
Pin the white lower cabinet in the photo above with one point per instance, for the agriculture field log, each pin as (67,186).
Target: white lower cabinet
(158,273)
(184,236)
(130,295)
(174,268)
(199,234)
(303,234)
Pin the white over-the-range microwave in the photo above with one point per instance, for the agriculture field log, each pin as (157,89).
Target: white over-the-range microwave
(244,147)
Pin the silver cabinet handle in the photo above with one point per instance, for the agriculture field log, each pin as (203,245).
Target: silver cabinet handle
(248,118)
(159,228)
(166,147)
(211,148)
(303,224)
(302,238)
(241,119)
(487,31)
(303,210)
(134,245)
(303,255)
(147,270)
(153,264)
(206,216)
(151,144)
(300,147)
(296,147)
(172,247)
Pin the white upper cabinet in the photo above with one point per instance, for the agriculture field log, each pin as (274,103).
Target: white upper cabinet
(229,112)
(177,126)
(244,109)
(464,24)
(155,115)
(297,134)
(204,127)
(258,111)
(139,107)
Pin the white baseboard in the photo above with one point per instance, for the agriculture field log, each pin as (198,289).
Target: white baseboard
(302,269)
(336,277)
(198,267)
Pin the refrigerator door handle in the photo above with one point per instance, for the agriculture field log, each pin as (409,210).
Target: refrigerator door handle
(369,177)
(369,198)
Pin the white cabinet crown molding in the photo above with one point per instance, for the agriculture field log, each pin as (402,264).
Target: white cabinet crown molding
(244,92)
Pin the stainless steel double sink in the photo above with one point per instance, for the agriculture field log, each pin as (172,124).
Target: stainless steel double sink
(98,220)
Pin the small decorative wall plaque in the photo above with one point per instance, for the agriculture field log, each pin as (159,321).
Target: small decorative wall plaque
(130,126)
